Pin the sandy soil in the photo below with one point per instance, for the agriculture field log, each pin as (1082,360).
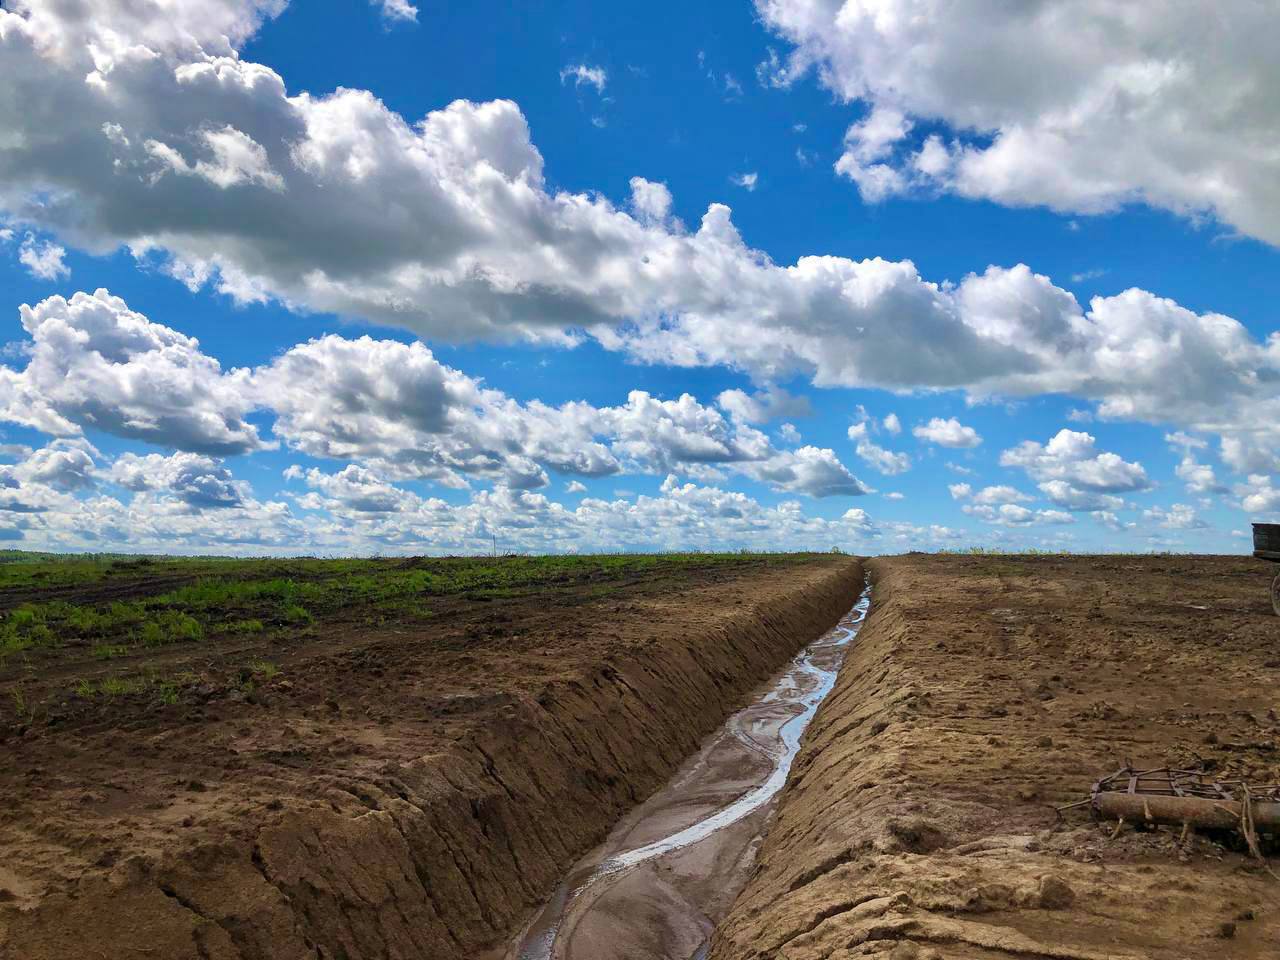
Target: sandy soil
(919,820)
(390,793)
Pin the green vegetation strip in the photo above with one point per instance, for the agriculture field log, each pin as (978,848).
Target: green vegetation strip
(226,597)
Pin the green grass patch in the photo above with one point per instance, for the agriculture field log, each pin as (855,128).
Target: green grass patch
(230,597)
(166,690)
(263,668)
(170,626)
(121,686)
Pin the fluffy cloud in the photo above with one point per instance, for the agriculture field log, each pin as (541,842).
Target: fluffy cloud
(234,158)
(64,465)
(43,260)
(139,124)
(396,408)
(1072,456)
(886,461)
(1179,516)
(1002,506)
(355,511)
(1074,474)
(988,496)
(93,362)
(1014,515)
(1074,104)
(811,470)
(200,482)
(353,488)
(948,433)
(772,403)
(650,201)
(688,514)
(1198,477)
(1070,497)
(390,406)
(39,488)
(52,499)
(397,11)
(1259,495)
(1256,450)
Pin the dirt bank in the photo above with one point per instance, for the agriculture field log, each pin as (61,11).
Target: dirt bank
(388,793)
(918,821)
(672,867)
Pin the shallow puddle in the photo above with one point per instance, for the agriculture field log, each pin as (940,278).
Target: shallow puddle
(672,867)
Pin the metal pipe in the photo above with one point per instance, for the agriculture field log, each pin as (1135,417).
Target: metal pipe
(1197,811)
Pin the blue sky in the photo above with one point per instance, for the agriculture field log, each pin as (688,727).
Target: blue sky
(423,326)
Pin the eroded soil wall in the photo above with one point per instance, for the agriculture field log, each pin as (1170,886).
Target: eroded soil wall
(441,854)
(919,821)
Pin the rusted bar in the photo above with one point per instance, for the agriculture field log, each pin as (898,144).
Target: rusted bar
(1197,811)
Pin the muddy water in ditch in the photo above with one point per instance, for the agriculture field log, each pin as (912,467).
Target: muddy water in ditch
(669,870)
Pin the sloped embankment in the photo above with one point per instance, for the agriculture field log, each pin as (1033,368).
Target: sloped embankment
(919,822)
(445,853)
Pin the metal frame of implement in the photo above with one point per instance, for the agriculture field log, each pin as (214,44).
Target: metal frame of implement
(1266,546)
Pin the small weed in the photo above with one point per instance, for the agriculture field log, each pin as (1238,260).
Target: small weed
(19,701)
(244,626)
(264,668)
(295,614)
(85,689)
(23,619)
(170,626)
(107,651)
(120,686)
(25,627)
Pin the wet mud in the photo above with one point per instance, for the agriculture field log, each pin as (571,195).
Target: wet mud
(655,889)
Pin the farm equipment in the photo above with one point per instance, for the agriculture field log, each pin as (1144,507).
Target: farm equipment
(1266,546)
(1189,798)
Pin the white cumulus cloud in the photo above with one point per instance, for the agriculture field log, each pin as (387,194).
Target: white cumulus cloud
(1079,105)
(397,11)
(43,259)
(886,461)
(948,433)
(140,125)
(1074,474)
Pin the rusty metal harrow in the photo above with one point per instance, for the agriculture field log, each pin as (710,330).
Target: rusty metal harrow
(1189,798)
